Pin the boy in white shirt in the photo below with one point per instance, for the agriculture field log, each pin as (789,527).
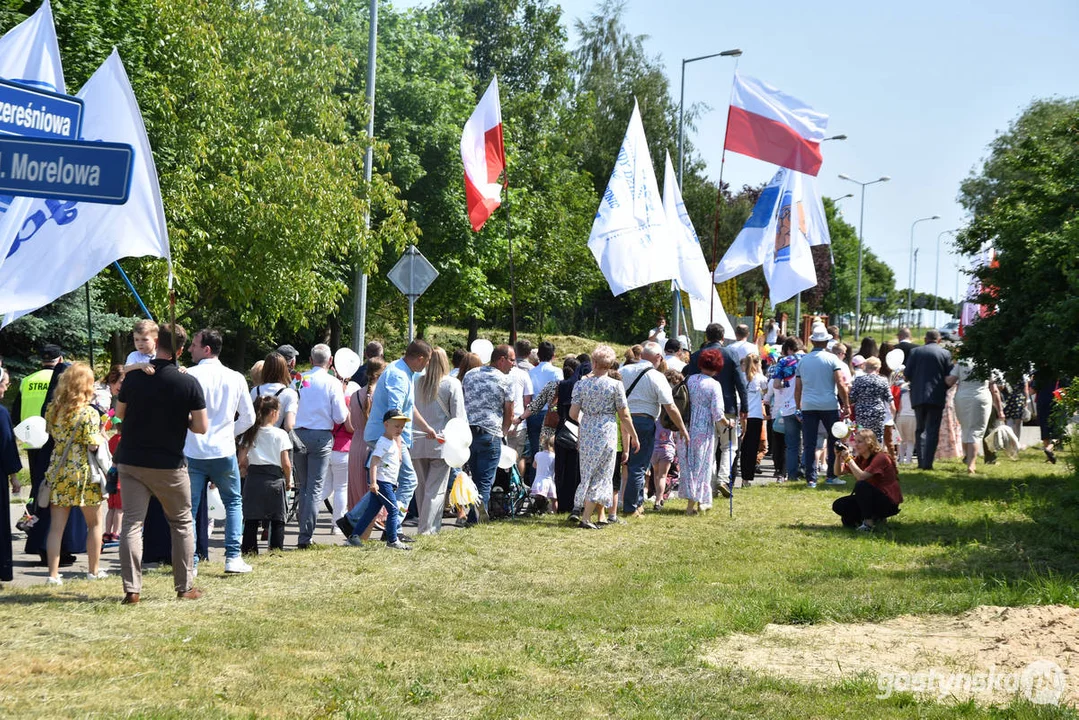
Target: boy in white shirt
(382,473)
(145,334)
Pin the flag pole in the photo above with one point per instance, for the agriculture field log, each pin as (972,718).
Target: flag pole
(509,240)
(719,195)
(89,327)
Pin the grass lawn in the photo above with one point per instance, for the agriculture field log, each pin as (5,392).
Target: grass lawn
(532,619)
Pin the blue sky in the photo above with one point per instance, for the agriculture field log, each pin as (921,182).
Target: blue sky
(920,89)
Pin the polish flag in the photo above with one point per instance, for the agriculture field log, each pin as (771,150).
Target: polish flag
(767,124)
(484,157)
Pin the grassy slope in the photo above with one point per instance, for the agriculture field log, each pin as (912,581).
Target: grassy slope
(533,619)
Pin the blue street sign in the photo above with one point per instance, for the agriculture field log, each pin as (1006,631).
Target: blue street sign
(877,298)
(66,169)
(31,112)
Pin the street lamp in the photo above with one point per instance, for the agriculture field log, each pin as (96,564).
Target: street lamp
(676,295)
(936,280)
(861,228)
(835,137)
(910,276)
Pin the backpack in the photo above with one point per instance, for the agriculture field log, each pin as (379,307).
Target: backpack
(680,393)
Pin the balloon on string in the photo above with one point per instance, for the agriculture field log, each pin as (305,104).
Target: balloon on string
(507,458)
(894,358)
(347,362)
(457,432)
(840,430)
(455,455)
(483,348)
(32,432)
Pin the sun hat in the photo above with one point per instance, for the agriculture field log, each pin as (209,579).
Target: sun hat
(857,361)
(820,334)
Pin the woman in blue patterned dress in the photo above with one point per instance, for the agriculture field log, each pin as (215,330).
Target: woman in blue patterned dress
(597,400)
(696,461)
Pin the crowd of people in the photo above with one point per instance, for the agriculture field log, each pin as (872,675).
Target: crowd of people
(595,438)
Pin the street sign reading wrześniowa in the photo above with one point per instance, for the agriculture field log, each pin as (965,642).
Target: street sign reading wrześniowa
(32,112)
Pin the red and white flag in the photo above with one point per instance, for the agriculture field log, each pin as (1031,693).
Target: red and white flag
(767,124)
(484,157)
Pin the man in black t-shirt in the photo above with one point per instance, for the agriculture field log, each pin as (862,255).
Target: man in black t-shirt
(158,408)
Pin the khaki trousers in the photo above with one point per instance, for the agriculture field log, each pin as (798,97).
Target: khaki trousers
(172,488)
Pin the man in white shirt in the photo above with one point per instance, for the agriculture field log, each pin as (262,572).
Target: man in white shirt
(741,347)
(212,457)
(658,334)
(670,356)
(517,437)
(322,405)
(541,376)
(647,393)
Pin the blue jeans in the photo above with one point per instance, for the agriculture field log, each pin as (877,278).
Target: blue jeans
(312,467)
(792,437)
(366,509)
(406,479)
(633,493)
(225,474)
(486,450)
(811,420)
(406,475)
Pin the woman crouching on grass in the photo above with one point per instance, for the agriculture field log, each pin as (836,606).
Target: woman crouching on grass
(876,493)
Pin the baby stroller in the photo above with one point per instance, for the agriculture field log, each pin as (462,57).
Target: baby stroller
(509,495)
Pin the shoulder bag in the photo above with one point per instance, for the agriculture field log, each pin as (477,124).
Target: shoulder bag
(567,434)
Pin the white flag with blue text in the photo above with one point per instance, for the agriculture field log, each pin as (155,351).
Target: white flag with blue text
(630,238)
(29,54)
(693,274)
(62,244)
(786,221)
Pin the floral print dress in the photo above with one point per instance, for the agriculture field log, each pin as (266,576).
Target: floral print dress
(71,481)
(696,461)
(600,399)
(870,395)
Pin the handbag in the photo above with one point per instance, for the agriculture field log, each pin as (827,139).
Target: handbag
(550,420)
(44,490)
(567,435)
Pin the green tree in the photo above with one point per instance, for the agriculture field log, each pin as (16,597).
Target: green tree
(1024,202)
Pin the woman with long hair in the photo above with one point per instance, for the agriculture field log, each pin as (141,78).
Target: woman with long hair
(275,380)
(597,402)
(876,493)
(438,399)
(75,426)
(470,361)
(358,407)
(868,348)
(756,389)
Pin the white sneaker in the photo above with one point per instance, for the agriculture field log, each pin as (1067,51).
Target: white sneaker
(99,575)
(54,580)
(237,565)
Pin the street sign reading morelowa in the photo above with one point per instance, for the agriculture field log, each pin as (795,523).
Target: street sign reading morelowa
(66,169)
(413,273)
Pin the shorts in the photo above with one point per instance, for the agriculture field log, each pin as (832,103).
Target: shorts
(518,439)
(663,452)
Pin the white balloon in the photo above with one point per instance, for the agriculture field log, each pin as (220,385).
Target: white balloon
(840,429)
(347,362)
(507,458)
(455,455)
(483,348)
(32,432)
(457,432)
(894,358)
(214,507)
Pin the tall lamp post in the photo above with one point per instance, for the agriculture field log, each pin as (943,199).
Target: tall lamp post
(910,275)
(359,311)
(676,295)
(861,228)
(831,256)
(936,280)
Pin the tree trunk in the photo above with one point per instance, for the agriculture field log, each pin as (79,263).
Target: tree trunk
(473,329)
(334,332)
(239,350)
(118,347)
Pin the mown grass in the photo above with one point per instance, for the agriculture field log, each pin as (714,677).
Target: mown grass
(531,619)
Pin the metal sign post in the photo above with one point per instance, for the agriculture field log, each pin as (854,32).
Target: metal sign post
(412,275)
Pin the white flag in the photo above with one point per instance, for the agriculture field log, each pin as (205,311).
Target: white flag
(62,244)
(630,239)
(29,54)
(693,275)
(777,236)
(703,312)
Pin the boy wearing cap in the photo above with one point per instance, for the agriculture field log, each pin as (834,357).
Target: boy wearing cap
(382,471)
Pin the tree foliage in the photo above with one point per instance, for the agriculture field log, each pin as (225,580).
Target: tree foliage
(1024,203)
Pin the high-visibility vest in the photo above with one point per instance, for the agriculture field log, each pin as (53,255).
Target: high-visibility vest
(33,389)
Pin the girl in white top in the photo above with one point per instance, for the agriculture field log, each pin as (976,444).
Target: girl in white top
(543,486)
(264,460)
(756,388)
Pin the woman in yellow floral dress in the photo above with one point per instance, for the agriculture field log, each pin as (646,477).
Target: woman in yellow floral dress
(76,426)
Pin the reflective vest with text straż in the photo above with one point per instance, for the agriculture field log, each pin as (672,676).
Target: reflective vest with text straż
(33,389)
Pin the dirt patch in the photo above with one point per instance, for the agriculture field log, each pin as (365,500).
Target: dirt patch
(990,654)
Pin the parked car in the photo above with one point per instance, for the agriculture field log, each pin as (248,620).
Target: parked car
(949,331)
